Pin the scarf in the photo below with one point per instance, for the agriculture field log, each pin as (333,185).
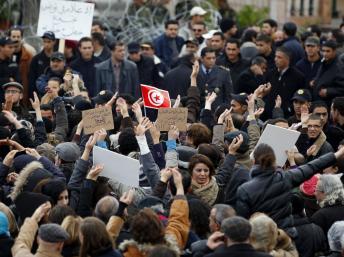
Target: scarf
(207,193)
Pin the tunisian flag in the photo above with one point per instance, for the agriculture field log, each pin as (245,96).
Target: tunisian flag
(155,98)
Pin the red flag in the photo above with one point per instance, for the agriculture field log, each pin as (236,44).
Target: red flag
(155,98)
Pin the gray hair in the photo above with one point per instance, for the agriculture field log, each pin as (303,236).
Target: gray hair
(335,236)
(223,211)
(105,208)
(332,187)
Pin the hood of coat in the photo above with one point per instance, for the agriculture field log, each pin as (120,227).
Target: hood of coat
(136,249)
(30,175)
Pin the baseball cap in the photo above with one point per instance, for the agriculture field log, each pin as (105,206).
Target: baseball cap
(6,41)
(13,84)
(134,47)
(240,98)
(103,97)
(302,95)
(58,56)
(192,40)
(197,10)
(313,41)
(49,35)
(210,34)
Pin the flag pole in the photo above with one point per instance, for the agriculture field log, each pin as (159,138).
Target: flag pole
(144,110)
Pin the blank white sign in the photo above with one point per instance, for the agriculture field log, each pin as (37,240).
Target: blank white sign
(117,166)
(281,140)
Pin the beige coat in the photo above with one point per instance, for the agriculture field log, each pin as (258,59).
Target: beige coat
(23,244)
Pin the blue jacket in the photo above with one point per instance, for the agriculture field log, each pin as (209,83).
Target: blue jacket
(308,69)
(294,46)
(163,50)
(129,78)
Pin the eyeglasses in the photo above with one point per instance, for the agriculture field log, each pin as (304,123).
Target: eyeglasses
(10,91)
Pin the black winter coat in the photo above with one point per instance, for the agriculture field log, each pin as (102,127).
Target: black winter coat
(6,244)
(148,72)
(269,191)
(177,81)
(331,77)
(328,215)
(285,86)
(235,68)
(237,250)
(87,70)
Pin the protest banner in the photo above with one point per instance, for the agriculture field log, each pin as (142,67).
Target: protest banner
(96,119)
(117,166)
(67,19)
(281,140)
(172,116)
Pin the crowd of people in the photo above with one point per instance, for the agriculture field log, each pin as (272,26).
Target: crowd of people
(211,190)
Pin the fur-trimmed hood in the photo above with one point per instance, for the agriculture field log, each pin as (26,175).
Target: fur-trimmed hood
(134,249)
(28,178)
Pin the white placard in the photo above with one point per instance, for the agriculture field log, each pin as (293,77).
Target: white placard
(67,19)
(281,140)
(117,166)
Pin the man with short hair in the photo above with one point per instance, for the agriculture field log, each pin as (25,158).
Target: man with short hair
(285,81)
(312,141)
(199,28)
(252,77)
(330,78)
(212,78)
(23,54)
(8,69)
(85,64)
(292,43)
(148,72)
(217,42)
(232,59)
(101,51)
(118,74)
(309,65)
(147,49)
(168,45)
(228,28)
(264,45)
(98,27)
(269,27)
(233,240)
(41,61)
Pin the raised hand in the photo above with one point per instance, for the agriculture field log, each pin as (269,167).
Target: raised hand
(143,126)
(177,102)
(41,211)
(235,145)
(36,104)
(127,197)
(95,171)
(173,133)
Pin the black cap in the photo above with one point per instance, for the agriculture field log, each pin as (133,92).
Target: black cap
(13,84)
(240,98)
(312,41)
(133,47)
(57,56)
(49,35)
(6,41)
(302,95)
(192,41)
(103,97)
(331,44)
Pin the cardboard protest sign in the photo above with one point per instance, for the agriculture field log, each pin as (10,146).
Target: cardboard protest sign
(172,116)
(96,119)
(117,166)
(67,19)
(281,140)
